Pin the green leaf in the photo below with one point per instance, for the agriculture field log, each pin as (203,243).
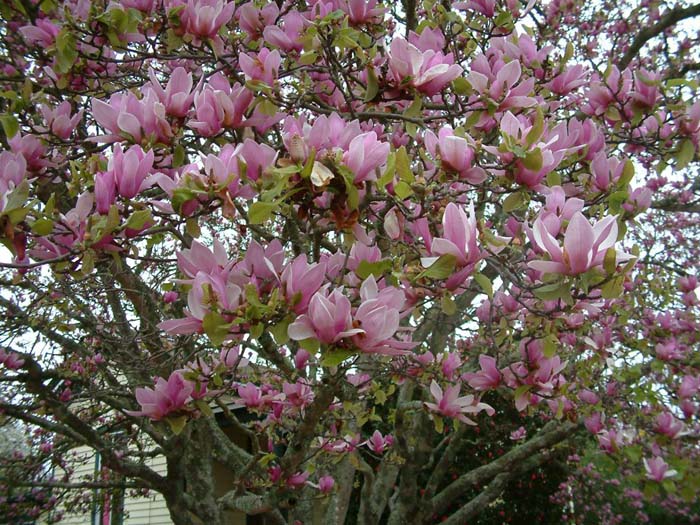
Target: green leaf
(17,197)
(685,153)
(552,292)
(616,200)
(216,328)
(403,166)
(257,330)
(613,288)
(610,261)
(204,407)
(42,226)
(372,85)
(280,331)
(514,201)
(627,174)
(311,345)
(177,424)
(403,190)
(309,166)
(440,269)
(389,171)
(553,179)
(259,212)
(379,268)
(533,160)
(448,305)
(537,128)
(484,283)
(139,219)
(335,357)
(9,125)
(550,345)
(179,156)
(461,86)
(308,58)
(439,424)
(66,51)
(180,197)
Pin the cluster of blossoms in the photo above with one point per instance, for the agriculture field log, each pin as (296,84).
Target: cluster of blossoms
(447,224)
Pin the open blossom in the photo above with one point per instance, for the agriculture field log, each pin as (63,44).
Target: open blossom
(300,280)
(657,469)
(365,154)
(219,105)
(584,245)
(204,18)
(328,319)
(165,398)
(378,443)
(177,97)
(11,360)
(488,378)
(13,170)
(448,403)
(59,121)
(460,236)
(428,71)
(263,67)
(668,425)
(131,168)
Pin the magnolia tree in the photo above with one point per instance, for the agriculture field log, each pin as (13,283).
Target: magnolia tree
(409,252)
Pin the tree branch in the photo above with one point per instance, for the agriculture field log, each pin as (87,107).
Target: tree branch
(669,19)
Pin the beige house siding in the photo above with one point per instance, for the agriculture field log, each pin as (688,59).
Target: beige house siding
(137,510)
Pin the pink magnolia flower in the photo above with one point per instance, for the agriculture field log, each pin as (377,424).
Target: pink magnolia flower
(449,364)
(428,71)
(301,358)
(449,405)
(584,245)
(105,191)
(690,385)
(460,236)
(300,281)
(657,469)
(204,18)
(488,378)
(325,484)
(297,480)
(44,32)
(59,121)
(127,116)
(32,149)
(177,97)
(519,434)
(252,395)
(130,169)
(362,11)
(298,394)
(328,319)
(223,170)
(219,105)
(455,154)
(165,398)
(13,170)
(263,67)
(365,154)
(668,425)
(378,443)
(10,360)
(253,20)
(287,37)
